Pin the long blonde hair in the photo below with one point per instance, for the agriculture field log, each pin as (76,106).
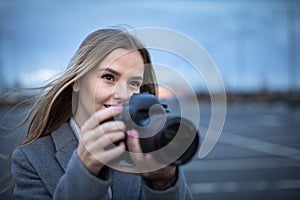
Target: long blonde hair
(54,106)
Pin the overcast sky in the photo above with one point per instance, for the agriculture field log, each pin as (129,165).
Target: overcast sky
(253,43)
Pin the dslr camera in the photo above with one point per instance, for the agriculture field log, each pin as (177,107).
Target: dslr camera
(172,139)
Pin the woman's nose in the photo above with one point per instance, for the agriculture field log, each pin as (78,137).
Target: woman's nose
(121,93)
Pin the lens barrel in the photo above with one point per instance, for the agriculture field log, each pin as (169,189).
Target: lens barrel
(177,139)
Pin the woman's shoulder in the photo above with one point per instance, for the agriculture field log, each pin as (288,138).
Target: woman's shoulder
(46,144)
(34,149)
(26,159)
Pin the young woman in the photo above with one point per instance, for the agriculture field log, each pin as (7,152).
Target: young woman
(65,154)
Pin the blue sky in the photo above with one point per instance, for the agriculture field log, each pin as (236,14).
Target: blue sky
(249,41)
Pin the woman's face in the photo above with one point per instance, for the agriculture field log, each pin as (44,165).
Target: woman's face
(116,78)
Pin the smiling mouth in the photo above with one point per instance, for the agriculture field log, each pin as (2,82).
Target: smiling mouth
(109,105)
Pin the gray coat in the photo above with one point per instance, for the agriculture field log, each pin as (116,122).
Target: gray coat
(49,168)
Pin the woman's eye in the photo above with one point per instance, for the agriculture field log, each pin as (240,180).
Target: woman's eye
(108,77)
(135,83)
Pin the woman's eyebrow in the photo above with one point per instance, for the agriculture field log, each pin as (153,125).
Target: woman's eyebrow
(137,78)
(111,71)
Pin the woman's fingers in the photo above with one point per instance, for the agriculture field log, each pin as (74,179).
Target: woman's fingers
(102,130)
(116,152)
(109,127)
(99,117)
(111,154)
(143,161)
(106,155)
(91,151)
(134,146)
(96,136)
(107,140)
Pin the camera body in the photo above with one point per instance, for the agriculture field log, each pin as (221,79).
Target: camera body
(172,139)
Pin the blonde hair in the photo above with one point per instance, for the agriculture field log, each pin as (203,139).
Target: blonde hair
(54,106)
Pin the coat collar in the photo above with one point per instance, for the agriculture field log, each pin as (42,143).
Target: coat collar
(65,143)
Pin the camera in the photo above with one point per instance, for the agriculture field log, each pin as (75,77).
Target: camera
(172,139)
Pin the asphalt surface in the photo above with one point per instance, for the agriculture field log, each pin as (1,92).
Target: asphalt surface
(256,157)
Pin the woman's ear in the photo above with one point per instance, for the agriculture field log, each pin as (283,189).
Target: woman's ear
(75,86)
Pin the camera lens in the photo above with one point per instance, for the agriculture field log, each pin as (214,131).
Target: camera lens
(168,135)
(179,138)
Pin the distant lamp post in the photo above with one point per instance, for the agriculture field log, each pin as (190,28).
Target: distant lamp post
(292,50)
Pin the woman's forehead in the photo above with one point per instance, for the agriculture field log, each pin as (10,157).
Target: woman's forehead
(123,60)
(123,54)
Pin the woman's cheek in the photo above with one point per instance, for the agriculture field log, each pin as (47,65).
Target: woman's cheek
(101,96)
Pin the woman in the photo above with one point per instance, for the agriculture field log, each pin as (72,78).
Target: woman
(65,154)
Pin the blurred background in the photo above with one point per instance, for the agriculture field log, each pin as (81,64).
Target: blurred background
(254,44)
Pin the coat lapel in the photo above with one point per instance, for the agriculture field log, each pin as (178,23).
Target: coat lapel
(65,143)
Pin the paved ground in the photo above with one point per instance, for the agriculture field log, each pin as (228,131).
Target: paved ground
(256,157)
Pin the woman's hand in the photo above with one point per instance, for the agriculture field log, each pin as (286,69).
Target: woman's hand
(159,178)
(95,137)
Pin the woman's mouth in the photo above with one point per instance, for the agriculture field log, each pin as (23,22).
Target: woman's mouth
(107,105)
(110,105)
